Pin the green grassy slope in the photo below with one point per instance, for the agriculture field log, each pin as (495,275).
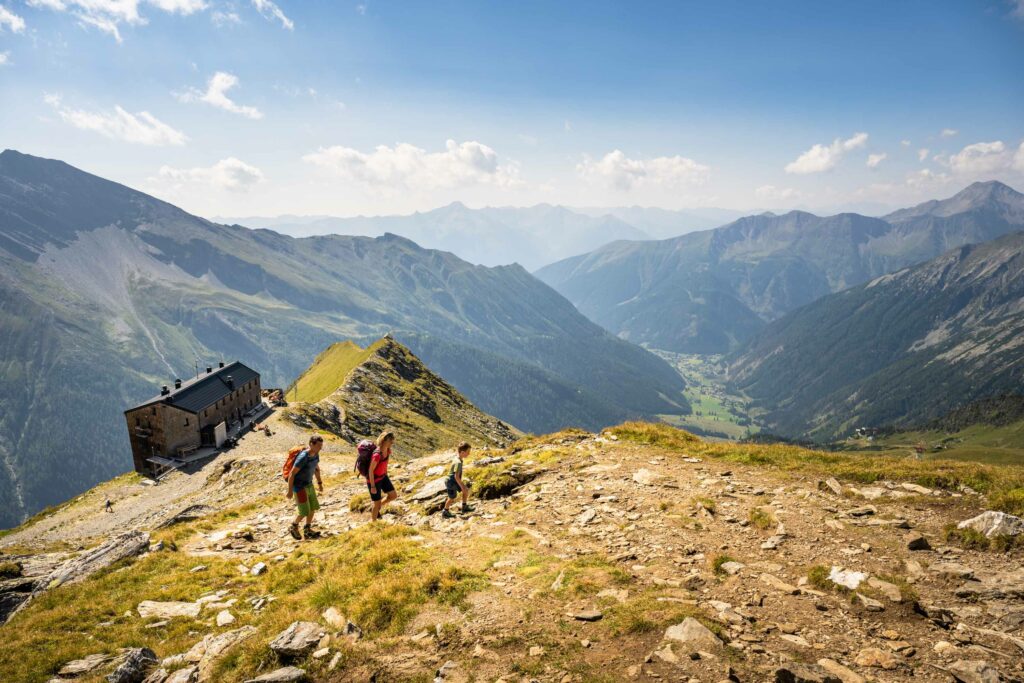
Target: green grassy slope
(328,371)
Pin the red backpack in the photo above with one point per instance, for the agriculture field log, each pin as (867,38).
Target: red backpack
(289,461)
(364,454)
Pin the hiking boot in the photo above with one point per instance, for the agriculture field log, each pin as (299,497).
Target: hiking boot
(468,508)
(294,531)
(310,532)
(446,514)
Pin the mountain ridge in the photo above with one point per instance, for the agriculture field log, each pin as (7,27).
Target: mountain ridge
(758,268)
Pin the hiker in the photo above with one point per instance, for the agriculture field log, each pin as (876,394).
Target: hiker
(108,507)
(377,476)
(300,485)
(454,483)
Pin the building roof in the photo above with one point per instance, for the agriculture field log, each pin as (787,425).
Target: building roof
(201,392)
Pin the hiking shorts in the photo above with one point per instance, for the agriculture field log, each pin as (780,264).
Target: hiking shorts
(383,486)
(453,487)
(306,500)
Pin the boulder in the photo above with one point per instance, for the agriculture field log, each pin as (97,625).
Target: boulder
(80,667)
(288,674)
(693,633)
(890,590)
(875,658)
(993,523)
(839,671)
(134,666)
(916,541)
(646,477)
(207,651)
(974,671)
(118,548)
(846,577)
(800,673)
(778,584)
(258,568)
(187,675)
(732,568)
(168,610)
(429,490)
(333,618)
(225,618)
(833,485)
(299,639)
(587,615)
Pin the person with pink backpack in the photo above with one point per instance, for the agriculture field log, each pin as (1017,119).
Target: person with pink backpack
(372,465)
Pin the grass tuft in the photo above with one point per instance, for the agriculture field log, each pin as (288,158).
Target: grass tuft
(10,570)
(762,518)
(718,560)
(975,540)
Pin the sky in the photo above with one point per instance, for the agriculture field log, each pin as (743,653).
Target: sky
(262,108)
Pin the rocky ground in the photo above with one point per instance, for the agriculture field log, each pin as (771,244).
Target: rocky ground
(613,561)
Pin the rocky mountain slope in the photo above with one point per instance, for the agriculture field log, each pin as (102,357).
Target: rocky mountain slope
(106,292)
(901,349)
(708,292)
(640,553)
(387,387)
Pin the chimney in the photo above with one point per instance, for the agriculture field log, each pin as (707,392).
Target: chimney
(177,384)
(230,382)
(222,363)
(164,390)
(209,369)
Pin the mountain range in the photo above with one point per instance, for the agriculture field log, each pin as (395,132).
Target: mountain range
(531,236)
(106,292)
(711,291)
(899,350)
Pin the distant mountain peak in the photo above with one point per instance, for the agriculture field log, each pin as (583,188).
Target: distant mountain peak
(990,194)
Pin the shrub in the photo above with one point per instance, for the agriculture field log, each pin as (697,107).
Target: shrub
(10,570)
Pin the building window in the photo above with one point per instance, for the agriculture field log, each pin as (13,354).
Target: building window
(154,410)
(186,422)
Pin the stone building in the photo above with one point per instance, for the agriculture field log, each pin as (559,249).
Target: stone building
(196,413)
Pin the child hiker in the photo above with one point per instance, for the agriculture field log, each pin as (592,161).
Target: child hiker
(454,483)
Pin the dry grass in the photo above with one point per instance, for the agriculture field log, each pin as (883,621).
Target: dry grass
(1003,483)
(378,576)
(762,518)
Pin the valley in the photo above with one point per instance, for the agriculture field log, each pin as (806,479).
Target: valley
(715,413)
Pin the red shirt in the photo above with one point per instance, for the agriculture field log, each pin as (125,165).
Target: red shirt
(379,465)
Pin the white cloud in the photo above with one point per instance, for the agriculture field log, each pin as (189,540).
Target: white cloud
(361,9)
(905,143)
(221,18)
(216,95)
(1018,158)
(922,153)
(271,11)
(108,15)
(617,170)
(773,193)
(11,20)
(407,166)
(948,132)
(981,157)
(875,159)
(227,174)
(5,58)
(142,128)
(823,158)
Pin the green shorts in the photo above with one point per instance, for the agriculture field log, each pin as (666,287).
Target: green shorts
(306,501)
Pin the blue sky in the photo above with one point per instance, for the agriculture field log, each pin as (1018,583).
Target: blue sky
(245,107)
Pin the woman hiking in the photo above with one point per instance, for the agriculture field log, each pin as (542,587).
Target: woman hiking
(377,478)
